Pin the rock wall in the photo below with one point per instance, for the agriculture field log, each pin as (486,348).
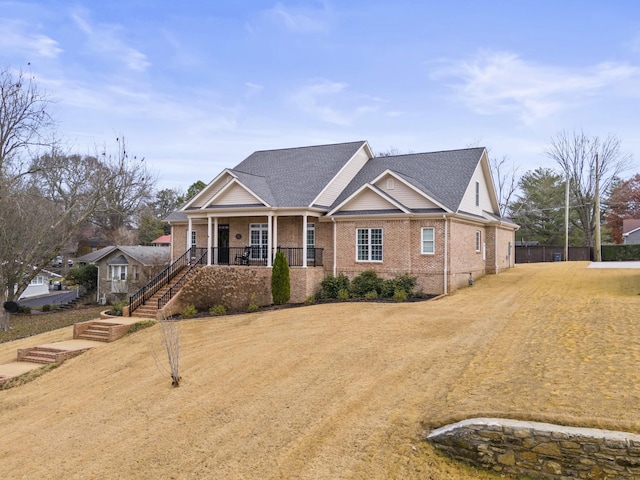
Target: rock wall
(541,450)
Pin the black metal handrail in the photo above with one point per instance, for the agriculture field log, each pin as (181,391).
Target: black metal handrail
(257,256)
(175,288)
(164,277)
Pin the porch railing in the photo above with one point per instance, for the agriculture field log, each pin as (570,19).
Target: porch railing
(192,257)
(257,256)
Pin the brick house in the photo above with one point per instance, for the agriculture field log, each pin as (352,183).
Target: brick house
(338,209)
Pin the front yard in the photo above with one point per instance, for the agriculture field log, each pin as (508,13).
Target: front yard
(338,390)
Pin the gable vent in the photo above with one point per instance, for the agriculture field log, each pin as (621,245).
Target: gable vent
(390,184)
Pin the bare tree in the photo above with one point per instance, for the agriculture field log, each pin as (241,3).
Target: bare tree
(506,179)
(170,336)
(44,200)
(575,153)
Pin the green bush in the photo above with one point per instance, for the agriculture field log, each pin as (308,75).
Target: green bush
(401,282)
(217,310)
(366,282)
(372,295)
(253,304)
(280,281)
(116,307)
(310,300)
(400,295)
(620,253)
(343,294)
(85,275)
(46,308)
(330,286)
(189,311)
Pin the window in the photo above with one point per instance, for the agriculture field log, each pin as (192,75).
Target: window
(311,241)
(477,194)
(369,244)
(428,242)
(118,272)
(258,240)
(478,240)
(38,280)
(193,238)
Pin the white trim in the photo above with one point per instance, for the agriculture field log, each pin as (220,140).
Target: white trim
(422,240)
(202,192)
(375,190)
(235,181)
(478,241)
(304,241)
(411,186)
(370,245)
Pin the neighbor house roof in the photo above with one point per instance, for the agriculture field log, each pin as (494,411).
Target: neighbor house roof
(142,254)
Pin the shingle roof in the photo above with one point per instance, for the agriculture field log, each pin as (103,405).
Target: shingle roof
(293,177)
(143,254)
(444,176)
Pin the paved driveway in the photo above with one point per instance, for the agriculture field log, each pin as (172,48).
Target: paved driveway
(57,298)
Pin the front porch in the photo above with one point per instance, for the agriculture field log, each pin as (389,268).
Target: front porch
(257,256)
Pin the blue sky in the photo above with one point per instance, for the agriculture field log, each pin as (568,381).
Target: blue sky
(197,86)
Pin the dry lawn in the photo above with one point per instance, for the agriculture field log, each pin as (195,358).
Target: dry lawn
(340,391)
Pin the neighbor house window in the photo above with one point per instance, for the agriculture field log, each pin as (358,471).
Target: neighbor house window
(369,244)
(311,241)
(38,280)
(258,240)
(478,240)
(428,242)
(477,194)
(118,272)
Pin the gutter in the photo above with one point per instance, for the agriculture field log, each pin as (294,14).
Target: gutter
(335,250)
(446,253)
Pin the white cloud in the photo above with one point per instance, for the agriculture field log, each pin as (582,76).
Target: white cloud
(253,89)
(106,40)
(300,20)
(15,38)
(502,82)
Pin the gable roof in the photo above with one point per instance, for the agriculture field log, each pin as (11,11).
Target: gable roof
(443,176)
(142,254)
(289,177)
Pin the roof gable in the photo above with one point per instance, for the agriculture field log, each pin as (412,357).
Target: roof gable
(401,189)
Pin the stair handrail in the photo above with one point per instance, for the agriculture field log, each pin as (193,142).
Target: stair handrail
(160,280)
(169,294)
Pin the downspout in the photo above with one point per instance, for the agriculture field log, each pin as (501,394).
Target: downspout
(335,249)
(446,253)
(98,285)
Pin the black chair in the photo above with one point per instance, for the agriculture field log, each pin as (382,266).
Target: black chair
(244,258)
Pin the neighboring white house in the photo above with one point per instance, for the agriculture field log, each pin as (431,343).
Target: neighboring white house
(39,285)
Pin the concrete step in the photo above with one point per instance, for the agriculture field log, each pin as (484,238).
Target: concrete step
(95,337)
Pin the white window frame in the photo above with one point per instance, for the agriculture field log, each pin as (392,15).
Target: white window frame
(37,280)
(116,272)
(424,241)
(478,241)
(262,245)
(311,241)
(368,246)
(194,238)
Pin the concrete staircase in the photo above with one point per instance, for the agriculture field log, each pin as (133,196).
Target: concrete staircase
(96,331)
(102,330)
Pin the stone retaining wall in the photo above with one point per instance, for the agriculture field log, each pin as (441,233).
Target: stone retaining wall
(541,450)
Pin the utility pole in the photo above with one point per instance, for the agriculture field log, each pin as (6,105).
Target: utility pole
(596,244)
(566,221)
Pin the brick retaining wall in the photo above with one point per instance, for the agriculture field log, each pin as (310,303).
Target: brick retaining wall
(541,450)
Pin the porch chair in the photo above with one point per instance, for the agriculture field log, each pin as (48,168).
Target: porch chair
(243,259)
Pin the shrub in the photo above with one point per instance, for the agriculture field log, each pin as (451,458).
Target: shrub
(189,311)
(116,307)
(85,275)
(217,310)
(330,286)
(366,282)
(401,282)
(310,300)
(400,295)
(280,281)
(372,295)
(141,325)
(46,308)
(253,304)
(343,294)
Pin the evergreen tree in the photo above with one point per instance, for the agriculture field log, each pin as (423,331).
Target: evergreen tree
(280,281)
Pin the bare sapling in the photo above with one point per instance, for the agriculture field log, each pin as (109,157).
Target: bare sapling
(170,335)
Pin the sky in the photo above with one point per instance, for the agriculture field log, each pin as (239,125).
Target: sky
(196,86)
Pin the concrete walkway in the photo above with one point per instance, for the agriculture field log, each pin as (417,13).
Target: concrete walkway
(614,265)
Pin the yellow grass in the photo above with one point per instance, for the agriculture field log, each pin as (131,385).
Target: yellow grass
(335,391)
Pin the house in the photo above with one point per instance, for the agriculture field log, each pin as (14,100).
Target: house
(122,270)
(631,231)
(162,241)
(339,209)
(39,285)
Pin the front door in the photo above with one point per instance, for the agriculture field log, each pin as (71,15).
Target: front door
(223,244)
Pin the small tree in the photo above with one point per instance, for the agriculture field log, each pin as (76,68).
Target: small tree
(170,337)
(280,281)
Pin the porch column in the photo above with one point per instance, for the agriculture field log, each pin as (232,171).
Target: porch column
(208,240)
(275,231)
(215,240)
(189,230)
(269,240)
(304,241)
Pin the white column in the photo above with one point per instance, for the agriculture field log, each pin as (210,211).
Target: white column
(215,240)
(208,240)
(275,231)
(269,239)
(304,241)
(189,229)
